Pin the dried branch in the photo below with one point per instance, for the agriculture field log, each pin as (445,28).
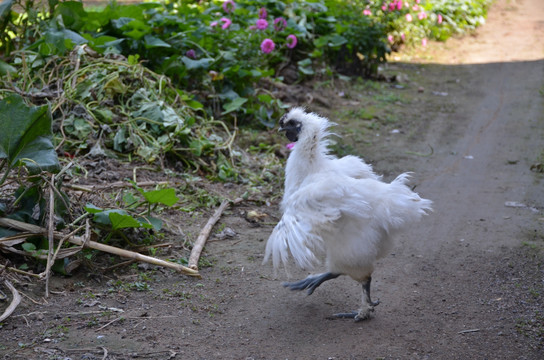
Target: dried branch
(205,233)
(10,223)
(14,302)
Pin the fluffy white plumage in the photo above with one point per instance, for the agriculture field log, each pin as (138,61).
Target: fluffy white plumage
(335,209)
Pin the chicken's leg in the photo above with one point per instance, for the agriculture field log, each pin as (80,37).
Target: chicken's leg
(311,282)
(368,305)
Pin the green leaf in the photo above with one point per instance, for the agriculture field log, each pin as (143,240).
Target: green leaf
(149,220)
(92,209)
(191,64)
(337,40)
(27,246)
(234,105)
(123,221)
(26,135)
(164,196)
(103,217)
(151,41)
(6,68)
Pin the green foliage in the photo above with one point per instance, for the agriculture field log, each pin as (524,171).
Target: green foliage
(25,138)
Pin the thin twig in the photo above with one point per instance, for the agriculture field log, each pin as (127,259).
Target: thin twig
(205,234)
(468,331)
(109,323)
(39,276)
(50,234)
(14,302)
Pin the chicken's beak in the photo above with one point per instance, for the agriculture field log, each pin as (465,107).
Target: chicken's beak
(281,129)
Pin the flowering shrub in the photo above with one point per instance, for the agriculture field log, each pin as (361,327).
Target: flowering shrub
(218,50)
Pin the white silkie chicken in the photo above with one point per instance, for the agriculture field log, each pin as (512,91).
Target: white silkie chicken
(336,209)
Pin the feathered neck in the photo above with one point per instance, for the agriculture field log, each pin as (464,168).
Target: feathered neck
(309,153)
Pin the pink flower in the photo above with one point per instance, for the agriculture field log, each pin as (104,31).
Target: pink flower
(418,1)
(439,18)
(422,15)
(424,42)
(226,23)
(262,13)
(384,7)
(279,24)
(367,12)
(229,6)
(390,38)
(267,46)
(403,37)
(291,41)
(262,24)
(399,5)
(213,24)
(409,17)
(191,54)
(415,8)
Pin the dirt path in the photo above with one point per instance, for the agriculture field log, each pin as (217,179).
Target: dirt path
(466,284)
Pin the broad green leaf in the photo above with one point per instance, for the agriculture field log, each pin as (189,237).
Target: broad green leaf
(191,64)
(92,209)
(6,68)
(123,221)
(151,41)
(149,220)
(163,196)
(337,40)
(234,105)
(5,10)
(28,246)
(103,217)
(26,135)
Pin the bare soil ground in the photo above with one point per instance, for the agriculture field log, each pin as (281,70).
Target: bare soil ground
(467,283)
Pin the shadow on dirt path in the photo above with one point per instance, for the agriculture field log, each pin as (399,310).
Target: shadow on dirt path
(467,283)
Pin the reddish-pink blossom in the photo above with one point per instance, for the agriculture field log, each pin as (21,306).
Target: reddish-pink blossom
(390,38)
(213,24)
(403,37)
(226,23)
(409,17)
(229,6)
(384,7)
(399,5)
(263,13)
(424,41)
(262,24)
(415,7)
(291,41)
(422,15)
(267,46)
(367,12)
(279,24)
(191,54)
(439,19)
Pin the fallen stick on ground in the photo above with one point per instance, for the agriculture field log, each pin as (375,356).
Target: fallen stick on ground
(205,233)
(10,223)
(14,302)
